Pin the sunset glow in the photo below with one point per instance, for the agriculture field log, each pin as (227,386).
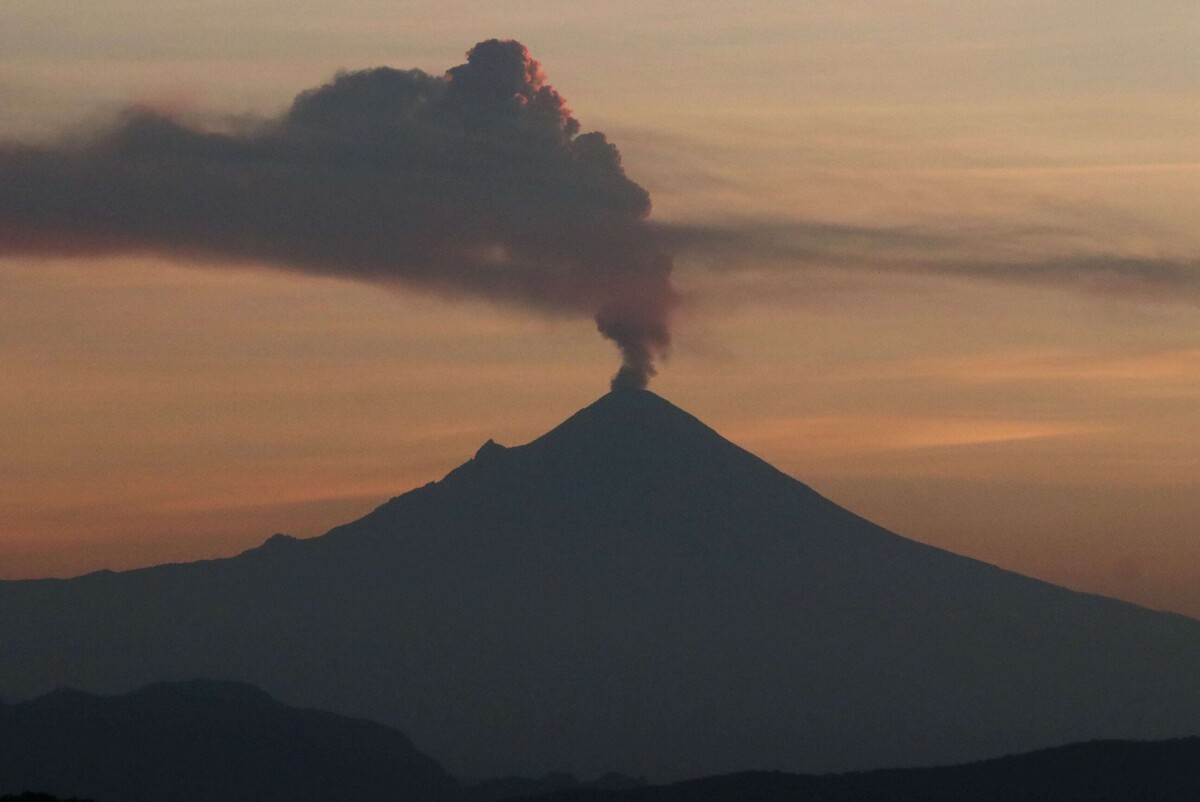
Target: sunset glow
(940,265)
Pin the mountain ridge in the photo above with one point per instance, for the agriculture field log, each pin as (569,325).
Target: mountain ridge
(615,407)
(201,740)
(1094,771)
(631,593)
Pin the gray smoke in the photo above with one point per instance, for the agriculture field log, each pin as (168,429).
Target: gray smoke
(477,182)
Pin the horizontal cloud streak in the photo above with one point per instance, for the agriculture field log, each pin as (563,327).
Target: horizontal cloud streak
(991,253)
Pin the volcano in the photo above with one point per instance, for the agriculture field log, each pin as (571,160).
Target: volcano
(631,593)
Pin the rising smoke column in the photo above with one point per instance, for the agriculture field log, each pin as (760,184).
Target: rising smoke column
(477,183)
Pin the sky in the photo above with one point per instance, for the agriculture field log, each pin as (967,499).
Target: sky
(936,259)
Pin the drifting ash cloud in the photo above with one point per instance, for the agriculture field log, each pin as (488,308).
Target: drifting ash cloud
(1040,255)
(476,183)
(479,182)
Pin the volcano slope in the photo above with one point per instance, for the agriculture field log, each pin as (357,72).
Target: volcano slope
(630,592)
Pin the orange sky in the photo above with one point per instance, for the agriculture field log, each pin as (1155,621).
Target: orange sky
(1049,423)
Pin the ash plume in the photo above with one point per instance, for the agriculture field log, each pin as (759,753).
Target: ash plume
(477,182)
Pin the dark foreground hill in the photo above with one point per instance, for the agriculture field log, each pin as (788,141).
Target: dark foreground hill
(207,742)
(1100,771)
(629,593)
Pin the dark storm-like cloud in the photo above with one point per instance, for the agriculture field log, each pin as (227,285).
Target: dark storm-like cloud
(478,182)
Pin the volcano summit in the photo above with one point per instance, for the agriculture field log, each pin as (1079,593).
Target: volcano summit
(629,592)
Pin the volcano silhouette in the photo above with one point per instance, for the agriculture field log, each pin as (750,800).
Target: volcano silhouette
(630,592)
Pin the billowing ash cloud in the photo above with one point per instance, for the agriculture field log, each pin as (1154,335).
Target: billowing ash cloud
(477,182)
